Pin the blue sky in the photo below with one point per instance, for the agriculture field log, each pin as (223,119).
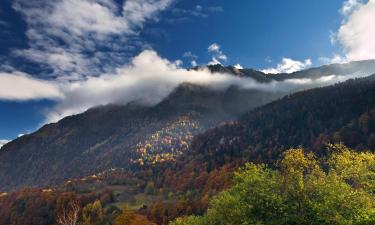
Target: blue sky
(252,32)
(44,56)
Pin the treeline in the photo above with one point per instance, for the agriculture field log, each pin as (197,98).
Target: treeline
(51,207)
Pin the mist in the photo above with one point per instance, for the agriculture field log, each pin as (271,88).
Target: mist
(148,79)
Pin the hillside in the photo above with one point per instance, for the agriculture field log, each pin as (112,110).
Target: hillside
(184,184)
(117,136)
(132,136)
(342,113)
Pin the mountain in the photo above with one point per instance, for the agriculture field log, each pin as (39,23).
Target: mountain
(359,68)
(133,136)
(343,113)
(168,160)
(116,136)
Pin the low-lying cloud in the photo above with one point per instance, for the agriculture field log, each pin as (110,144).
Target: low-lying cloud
(20,86)
(3,142)
(148,79)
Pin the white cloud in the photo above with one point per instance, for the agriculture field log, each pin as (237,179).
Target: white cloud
(268,59)
(3,142)
(183,14)
(349,6)
(357,32)
(78,38)
(19,86)
(61,33)
(194,63)
(137,12)
(216,53)
(192,57)
(288,65)
(81,16)
(332,60)
(214,48)
(214,61)
(238,66)
(148,79)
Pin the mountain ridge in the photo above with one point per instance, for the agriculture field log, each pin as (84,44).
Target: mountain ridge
(128,136)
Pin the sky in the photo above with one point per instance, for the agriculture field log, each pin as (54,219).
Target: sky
(59,58)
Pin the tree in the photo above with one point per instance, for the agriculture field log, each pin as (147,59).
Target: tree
(141,220)
(69,215)
(93,214)
(126,217)
(300,192)
(355,168)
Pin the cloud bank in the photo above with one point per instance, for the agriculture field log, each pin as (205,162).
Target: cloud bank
(22,87)
(148,80)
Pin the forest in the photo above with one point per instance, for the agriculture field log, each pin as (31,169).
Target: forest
(304,159)
(303,189)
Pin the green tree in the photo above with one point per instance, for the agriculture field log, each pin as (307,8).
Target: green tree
(355,168)
(300,192)
(93,214)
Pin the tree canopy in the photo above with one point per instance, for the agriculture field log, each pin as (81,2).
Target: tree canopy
(338,189)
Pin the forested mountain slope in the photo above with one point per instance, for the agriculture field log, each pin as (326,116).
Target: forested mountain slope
(344,113)
(132,136)
(116,136)
(158,181)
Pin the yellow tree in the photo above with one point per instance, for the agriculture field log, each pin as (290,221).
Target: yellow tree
(126,217)
(93,213)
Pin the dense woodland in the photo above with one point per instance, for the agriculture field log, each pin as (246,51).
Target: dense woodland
(342,113)
(314,182)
